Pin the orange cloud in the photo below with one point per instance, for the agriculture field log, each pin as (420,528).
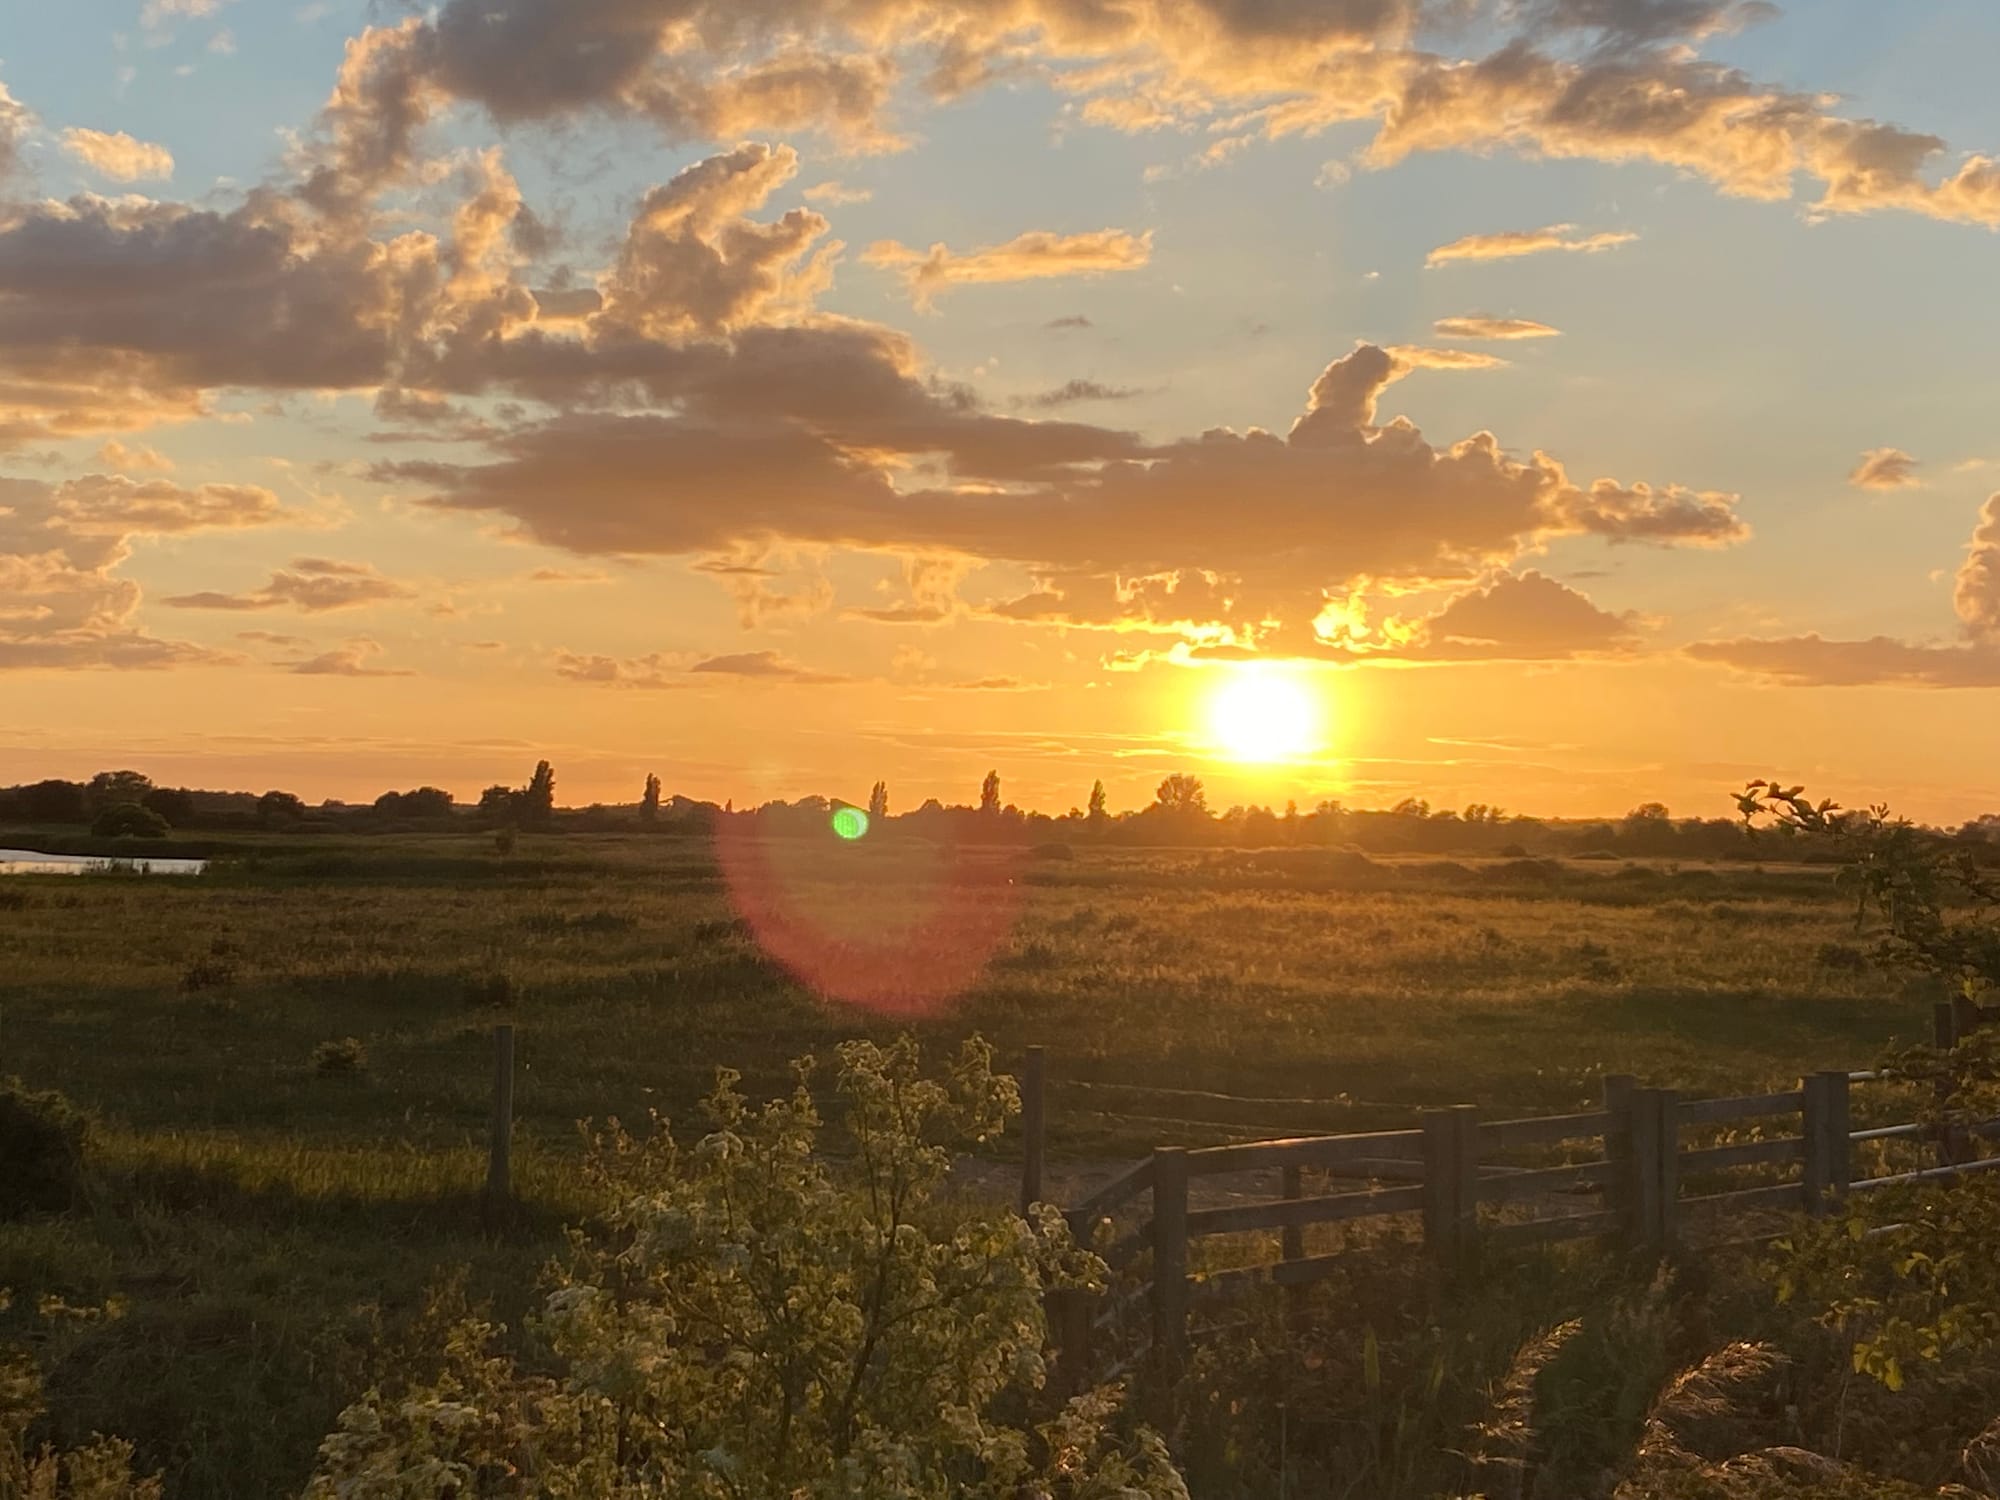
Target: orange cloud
(1480,326)
(312,585)
(1027,257)
(1885,469)
(117,155)
(1511,243)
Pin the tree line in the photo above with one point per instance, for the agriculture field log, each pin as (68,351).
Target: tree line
(128,803)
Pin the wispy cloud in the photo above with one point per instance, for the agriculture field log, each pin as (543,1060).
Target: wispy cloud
(1510,243)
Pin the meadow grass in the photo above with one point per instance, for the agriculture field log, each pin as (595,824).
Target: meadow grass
(268,1221)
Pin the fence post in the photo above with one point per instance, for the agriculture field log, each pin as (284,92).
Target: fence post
(1617,1194)
(499,1187)
(1293,1247)
(1945,1036)
(1827,1144)
(1440,1185)
(1642,1179)
(1667,1173)
(1034,1127)
(1170,1257)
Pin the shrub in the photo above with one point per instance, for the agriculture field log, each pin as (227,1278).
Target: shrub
(757,1316)
(42,1140)
(346,1055)
(1841,956)
(1052,851)
(129,820)
(504,840)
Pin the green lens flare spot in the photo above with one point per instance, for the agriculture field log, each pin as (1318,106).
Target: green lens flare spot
(850,823)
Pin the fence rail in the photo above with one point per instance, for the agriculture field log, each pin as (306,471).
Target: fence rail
(1636,1181)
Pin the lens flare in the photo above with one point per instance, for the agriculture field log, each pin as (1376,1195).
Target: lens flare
(850,823)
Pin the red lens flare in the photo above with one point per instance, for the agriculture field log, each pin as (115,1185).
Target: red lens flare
(901,929)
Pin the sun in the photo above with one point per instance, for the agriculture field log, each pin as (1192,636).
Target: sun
(1260,711)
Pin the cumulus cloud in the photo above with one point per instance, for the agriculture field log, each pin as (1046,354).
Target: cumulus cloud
(312,585)
(1480,326)
(1340,497)
(1886,469)
(1510,243)
(1976,593)
(1514,617)
(15,123)
(117,155)
(692,262)
(766,666)
(1027,257)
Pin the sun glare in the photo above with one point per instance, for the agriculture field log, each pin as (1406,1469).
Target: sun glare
(1262,712)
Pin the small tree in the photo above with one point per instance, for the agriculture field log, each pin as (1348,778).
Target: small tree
(537,802)
(1096,815)
(498,803)
(758,1317)
(1182,796)
(878,801)
(109,788)
(989,795)
(649,801)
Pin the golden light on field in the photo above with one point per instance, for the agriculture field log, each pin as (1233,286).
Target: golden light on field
(1263,711)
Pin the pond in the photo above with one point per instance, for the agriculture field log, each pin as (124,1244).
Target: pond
(34,862)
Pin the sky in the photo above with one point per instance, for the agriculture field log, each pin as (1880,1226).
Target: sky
(1559,404)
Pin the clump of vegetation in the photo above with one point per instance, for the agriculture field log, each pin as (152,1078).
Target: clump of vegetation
(504,840)
(210,971)
(42,1141)
(100,1470)
(759,1316)
(1843,958)
(338,1057)
(129,820)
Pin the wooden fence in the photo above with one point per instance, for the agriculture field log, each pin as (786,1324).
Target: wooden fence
(1628,1174)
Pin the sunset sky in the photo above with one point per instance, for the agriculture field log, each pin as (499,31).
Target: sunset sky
(1568,403)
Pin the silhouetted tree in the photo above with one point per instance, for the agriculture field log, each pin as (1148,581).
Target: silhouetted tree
(280,807)
(1411,807)
(1097,815)
(1649,812)
(109,788)
(538,798)
(989,795)
(1183,796)
(497,803)
(424,802)
(129,820)
(649,801)
(54,802)
(172,803)
(878,801)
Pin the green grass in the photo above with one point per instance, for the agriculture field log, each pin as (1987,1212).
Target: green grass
(267,1224)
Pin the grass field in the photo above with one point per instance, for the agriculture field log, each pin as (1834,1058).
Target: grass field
(268,1224)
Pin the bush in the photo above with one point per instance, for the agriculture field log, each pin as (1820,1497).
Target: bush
(129,820)
(1052,851)
(210,972)
(759,1316)
(333,1058)
(42,1140)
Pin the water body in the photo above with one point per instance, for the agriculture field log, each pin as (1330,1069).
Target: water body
(33,862)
